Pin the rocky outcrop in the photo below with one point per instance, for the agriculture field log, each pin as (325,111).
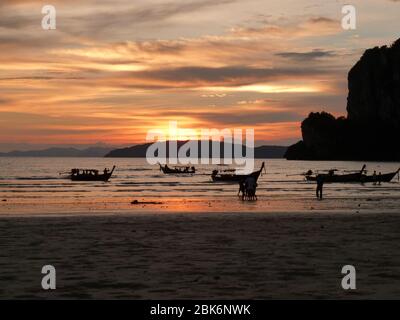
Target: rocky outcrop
(324,138)
(374,87)
(371,129)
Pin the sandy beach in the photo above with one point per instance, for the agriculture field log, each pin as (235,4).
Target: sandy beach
(200,255)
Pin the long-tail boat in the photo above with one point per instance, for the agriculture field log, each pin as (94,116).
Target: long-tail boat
(90,175)
(332,177)
(230,176)
(177,169)
(387,177)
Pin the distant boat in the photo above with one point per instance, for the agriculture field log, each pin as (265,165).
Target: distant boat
(90,175)
(387,177)
(332,177)
(177,170)
(230,176)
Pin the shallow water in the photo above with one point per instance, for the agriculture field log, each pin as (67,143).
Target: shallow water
(37,181)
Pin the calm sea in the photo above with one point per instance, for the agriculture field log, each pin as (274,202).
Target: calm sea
(38,179)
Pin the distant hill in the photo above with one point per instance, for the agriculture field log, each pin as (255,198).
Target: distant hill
(139,151)
(60,152)
(270,152)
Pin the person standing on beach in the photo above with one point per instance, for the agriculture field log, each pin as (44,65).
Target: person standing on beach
(250,186)
(320,186)
(242,189)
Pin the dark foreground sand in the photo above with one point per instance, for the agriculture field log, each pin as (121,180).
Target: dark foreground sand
(240,256)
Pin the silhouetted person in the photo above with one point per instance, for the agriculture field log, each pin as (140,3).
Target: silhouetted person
(320,186)
(242,189)
(250,186)
(380,178)
(214,173)
(374,178)
(105,171)
(309,173)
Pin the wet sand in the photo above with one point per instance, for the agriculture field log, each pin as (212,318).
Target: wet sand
(201,255)
(233,204)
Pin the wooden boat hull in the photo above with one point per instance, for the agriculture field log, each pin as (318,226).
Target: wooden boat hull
(101,177)
(236,178)
(387,177)
(345,178)
(355,178)
(89,177)
(339,178)
(167,170)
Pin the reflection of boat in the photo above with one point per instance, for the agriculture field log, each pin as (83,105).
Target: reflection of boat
(177,170)
(387,177)
(331,177)
(90,175)
(230,176)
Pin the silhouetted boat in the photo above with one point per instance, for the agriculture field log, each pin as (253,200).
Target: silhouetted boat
(90,175)
(177,170)
(331,177)
(229,176)
(387,177)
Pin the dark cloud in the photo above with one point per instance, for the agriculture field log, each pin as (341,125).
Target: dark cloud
(18,121)
(226,76)
(248,118)
(306,56)
(39,78)
(12,20)
(4,101)
(318,20)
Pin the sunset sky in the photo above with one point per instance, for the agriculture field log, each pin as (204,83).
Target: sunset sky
(114,69)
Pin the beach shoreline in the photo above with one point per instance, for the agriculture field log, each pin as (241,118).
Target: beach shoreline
(219,204)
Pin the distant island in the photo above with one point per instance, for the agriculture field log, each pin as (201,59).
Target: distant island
(139,151)
(371,129)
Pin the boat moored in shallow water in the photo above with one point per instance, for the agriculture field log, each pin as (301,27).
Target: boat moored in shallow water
(378,178)
(230,176)
(332,177)
(177,169)
(90,174)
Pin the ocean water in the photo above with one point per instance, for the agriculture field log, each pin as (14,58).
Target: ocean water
(38,180)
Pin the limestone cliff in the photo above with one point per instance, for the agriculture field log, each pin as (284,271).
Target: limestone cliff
(374,87)
(371,129)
